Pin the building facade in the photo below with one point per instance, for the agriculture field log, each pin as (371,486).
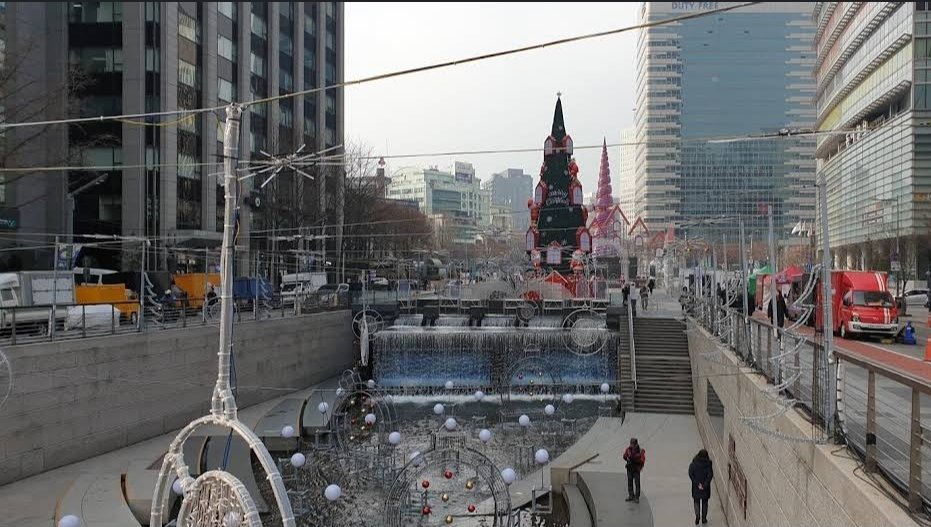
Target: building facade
(140,57)
(453,199)
(873,70)
(734,74)
(628,169)
(511,189)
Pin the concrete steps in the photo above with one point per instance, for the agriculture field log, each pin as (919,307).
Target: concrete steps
(579,515)
(664,370)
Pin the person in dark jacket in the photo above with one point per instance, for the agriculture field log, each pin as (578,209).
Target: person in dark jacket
(701,473)
(781,310)
(635,458)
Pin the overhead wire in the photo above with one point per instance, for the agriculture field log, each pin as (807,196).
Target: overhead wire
(186,113)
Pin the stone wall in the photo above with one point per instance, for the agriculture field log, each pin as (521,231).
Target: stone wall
(789,483)
(76,399)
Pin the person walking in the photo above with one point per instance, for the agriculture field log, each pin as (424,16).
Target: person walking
(635,457)
(701,473)
(644,297)
(651,284)
(626,292)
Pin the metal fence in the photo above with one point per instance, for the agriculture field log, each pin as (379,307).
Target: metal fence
(878,409)
(26,325)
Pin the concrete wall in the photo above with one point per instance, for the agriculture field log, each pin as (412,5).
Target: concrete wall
(789,483)
(76,399)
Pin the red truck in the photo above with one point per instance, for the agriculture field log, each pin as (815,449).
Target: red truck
(861,305)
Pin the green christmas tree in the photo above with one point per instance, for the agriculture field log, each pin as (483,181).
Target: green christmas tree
(557,212)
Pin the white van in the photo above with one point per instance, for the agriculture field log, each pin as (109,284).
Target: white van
(299,284)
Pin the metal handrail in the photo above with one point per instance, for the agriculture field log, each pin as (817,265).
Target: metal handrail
(633,347)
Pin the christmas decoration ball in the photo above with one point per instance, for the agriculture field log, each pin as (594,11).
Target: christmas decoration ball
(448,519)
(339,392)
(287,431)
(508,475)
(568,398)
(541,456)
(394,438)
(444,497)
(232,519)
(177,488)
(69,521)
(323,407)
(449,385)
(371,383)
(470,484)
(484,435)
(298,460)
(332,492)
(479,395)
(523,420)
(448,474)
(438,409)
(450,424)
(605,387)
(471,508)
(426,510)
(370,419)
(549,409)
(425,484)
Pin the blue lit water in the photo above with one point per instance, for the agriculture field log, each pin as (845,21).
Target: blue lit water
(486,357)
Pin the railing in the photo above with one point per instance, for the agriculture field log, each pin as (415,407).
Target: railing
(880,420)
(633,349)
(26,325)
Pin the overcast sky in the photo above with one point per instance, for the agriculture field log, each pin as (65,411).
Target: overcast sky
(493,104)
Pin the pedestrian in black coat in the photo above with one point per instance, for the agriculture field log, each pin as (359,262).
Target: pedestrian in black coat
(701,473)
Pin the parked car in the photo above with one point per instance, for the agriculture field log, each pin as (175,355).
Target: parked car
(916,297)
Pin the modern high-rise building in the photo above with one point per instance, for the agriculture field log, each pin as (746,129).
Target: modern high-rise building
(628,169)
(453,199)
(159,176)
(873,69)
(511,189)
(745,72)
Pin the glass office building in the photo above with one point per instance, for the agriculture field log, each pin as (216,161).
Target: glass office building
(873,71)
(727,75)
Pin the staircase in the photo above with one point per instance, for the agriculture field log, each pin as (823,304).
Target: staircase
(664,371)
(623,363)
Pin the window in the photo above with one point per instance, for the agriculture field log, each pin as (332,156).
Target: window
(95,12)
(286,111)
(310,24)
(330,102)
(226,48)
(330,40)
(257,65)
(285,44)
(226,90)
(285,80)
(188,28)
(330,74)
(109,208)
(259,27)
(97,60)
(153,60)
(6,295)
(310,59)
(331,9)
(187,74)
(228,9)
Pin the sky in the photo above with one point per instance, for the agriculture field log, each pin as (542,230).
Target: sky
(500,103)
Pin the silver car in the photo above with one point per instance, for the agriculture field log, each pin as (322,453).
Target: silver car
(916,297)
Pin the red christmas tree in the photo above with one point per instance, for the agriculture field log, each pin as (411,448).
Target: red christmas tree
(603,233)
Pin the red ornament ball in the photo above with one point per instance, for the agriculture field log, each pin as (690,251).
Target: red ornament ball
(425,484)
(448,474)
(471,508)
(426,510)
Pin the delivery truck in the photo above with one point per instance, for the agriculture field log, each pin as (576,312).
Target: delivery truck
(861,305)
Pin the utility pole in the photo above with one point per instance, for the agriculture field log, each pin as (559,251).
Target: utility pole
(745,274)
(827,358)
(54,319)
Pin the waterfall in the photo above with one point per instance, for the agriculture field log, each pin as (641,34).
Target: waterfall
(452,321)
(497,321)
(409,320)
(482,357)
(545,322)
